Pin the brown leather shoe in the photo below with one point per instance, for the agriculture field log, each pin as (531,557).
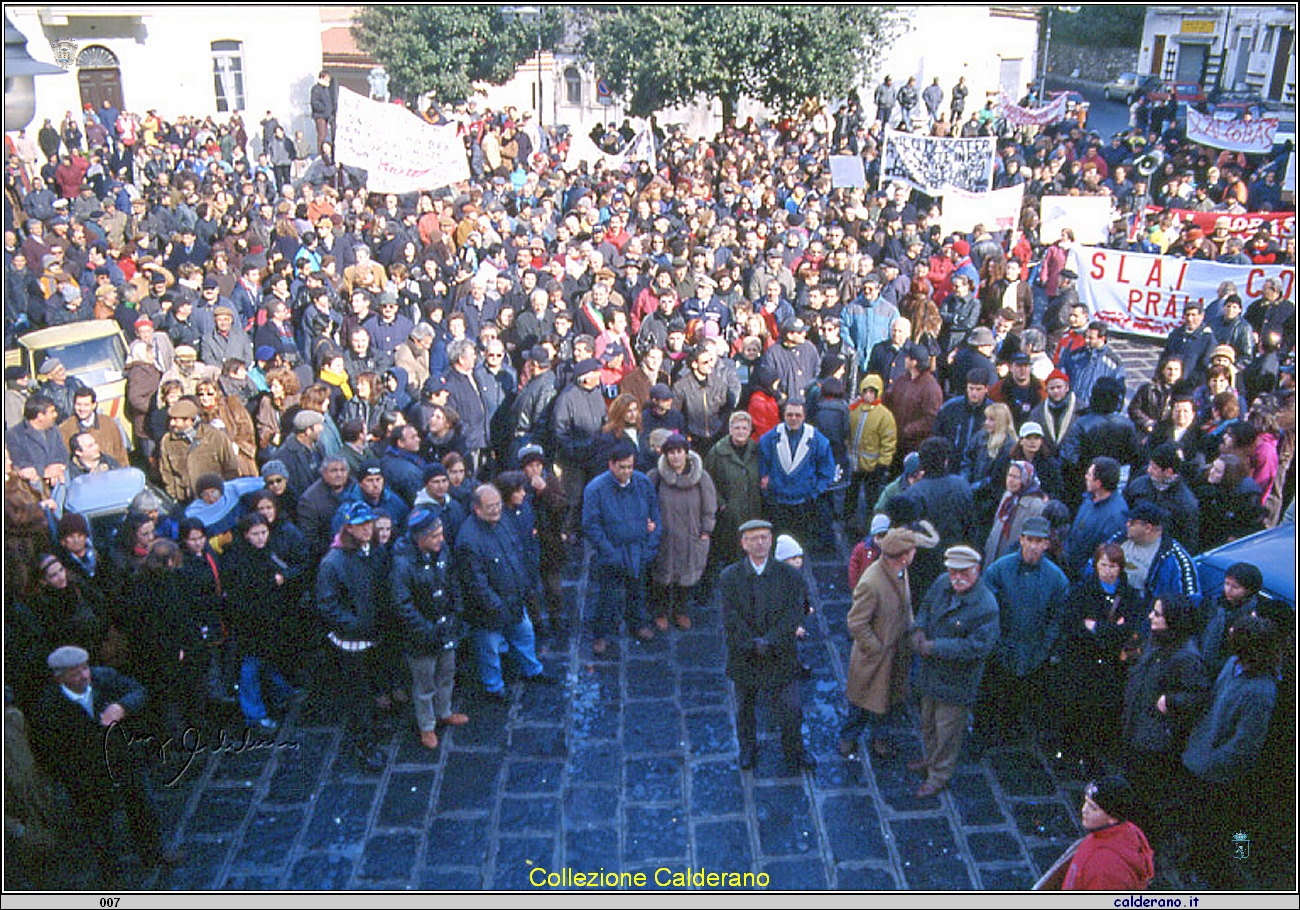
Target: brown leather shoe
(683,622)
(661,623)
(454,720)
(918,766)
(598,646)
(429,739)
(927,790)
(645,633)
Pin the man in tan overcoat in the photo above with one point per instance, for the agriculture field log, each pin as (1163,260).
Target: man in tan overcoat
(878,623)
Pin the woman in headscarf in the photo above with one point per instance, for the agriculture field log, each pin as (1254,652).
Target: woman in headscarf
(1023,499)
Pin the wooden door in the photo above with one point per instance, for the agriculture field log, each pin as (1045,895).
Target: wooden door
(100,85)
(1157,55)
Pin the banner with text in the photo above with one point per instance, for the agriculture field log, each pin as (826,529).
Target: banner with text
(1145,294)
(1280,225)
(400,152)
(1233,135)
(929,163)
(1088,216)
(1032,116)
(997,211)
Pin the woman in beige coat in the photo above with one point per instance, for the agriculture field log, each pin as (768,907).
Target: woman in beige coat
(688,506)
(878,623)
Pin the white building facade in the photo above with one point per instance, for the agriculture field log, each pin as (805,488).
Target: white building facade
(178,60)
(1249,48)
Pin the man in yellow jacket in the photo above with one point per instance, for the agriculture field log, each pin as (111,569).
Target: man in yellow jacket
(873,440)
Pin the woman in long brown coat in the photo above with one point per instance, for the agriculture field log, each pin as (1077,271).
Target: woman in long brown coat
(878,623)
(688,506)
(226,412)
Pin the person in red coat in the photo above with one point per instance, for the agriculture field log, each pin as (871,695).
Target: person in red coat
(914,399)
(1115,854)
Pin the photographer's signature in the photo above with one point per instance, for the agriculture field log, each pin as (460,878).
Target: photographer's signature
(169,750)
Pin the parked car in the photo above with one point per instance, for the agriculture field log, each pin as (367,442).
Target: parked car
(1235,105)
(1272,552)
(1184,93)
(103,500)
(1129,85)
(93,352)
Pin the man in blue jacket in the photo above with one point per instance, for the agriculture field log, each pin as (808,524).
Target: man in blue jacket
(1156,563)
(620,519)
(796,467)
(1101,515)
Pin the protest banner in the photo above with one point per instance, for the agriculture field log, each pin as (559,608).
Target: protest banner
(1280,225)
(1032,116)
(929,164)
(400,152)
(1088,216)
(997,211)
(1146,294)
(847,171)
(1233,135)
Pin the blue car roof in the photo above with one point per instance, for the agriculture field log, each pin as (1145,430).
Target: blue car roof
(1272,552)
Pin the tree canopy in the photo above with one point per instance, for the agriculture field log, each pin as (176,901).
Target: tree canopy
(659,56)
(445,49)
(1100,26)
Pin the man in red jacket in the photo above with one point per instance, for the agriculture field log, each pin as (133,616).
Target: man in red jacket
(1115,855)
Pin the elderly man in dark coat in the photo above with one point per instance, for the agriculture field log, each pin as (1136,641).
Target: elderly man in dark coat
(762,603)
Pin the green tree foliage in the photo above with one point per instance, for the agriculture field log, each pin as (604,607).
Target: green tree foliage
(445,49)
(1100,26)
(659,56)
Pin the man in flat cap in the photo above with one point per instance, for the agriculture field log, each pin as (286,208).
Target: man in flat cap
(955,632)
(762,604)
(76,738)
(190,449)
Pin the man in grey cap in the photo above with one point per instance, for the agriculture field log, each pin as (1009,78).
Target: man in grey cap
(76,737)
(191,449)
(762,603)
(1030,590)
(300,453)
(955,632)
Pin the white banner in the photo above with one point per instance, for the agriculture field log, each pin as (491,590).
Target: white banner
(400,152)
(1146,295)
(997,211)
(929,164)
(1032,116)
(1088,216)
(1233,135)
(847,171)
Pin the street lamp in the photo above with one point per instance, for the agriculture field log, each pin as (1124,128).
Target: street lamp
(530,15)
(20,83)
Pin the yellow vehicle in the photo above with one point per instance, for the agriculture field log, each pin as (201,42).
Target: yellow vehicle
(93,352)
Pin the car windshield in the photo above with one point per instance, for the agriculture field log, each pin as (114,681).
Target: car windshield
(95,362)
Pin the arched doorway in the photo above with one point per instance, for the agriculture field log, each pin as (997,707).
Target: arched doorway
(99,77)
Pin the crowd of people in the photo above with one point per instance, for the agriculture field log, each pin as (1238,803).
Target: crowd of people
(389,423)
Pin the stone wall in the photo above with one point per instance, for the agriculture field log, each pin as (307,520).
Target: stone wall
(1093,64)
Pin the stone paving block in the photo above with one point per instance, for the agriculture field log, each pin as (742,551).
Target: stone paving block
(340,817)
(703,689)
(974,799)
(539,704)
(795,875)
(519,815)
(201,870)
(660,834)
(538,742)
(532,777)
(654,780)
(1021,774)
(864,878)
(269,837)
(647,679)
(596,763)
(852,825)
(1047,819)
(320,872)
(716,789)
(604,721)
(834,773)
(516,857)
(592,848)
(652,726)
(590,807)
(238,763)
(486,729)
(252,883)
(450,880)
(457,841)
(220,812)
(298,770)
(406,800)
(723,845)
(994,846)
(468,781)
(704,650)
(1012,878)
(928,850)
(389,857)
(710,732)
(785,820)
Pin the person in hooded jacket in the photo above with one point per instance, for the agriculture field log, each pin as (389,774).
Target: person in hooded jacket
(1115,855)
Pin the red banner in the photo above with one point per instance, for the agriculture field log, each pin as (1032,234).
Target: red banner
(1281,225)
